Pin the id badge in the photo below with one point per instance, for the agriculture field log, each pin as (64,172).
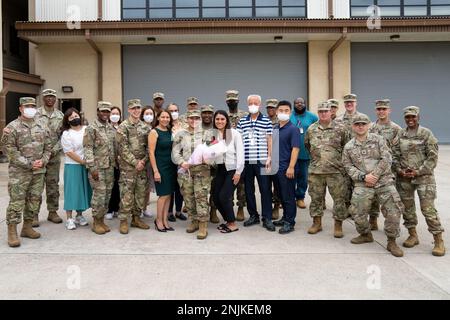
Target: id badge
(301,130)
(252,141)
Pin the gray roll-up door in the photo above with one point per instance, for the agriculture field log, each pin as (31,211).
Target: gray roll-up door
(409,74)
(207,71)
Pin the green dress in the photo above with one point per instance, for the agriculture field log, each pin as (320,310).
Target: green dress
(167,169)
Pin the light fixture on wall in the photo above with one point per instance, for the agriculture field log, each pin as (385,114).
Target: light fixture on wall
(277,38)
(67,89)
(395,37)
(151,39)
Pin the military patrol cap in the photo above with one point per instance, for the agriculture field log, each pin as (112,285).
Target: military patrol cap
(324,106)
(383,103)
(208,108)
(133,103)
(157,95)
(361,118)
(333,103)
(192,100)
(271,103)
(48,92)
(104,106)
(25,101)
(350,97)
(232,95)
(411,111)
(193,113)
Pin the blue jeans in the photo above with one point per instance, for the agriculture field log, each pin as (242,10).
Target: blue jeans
(286,188)
(250,172)
(302,179)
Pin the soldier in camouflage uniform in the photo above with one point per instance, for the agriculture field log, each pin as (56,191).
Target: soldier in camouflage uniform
(195,181)
(235,114)
(28,146)
(192,104)
(52,118)
(415,157)
(334,105)
(389,130)
(367,160)
(100,156)
(131,137)
(325,140)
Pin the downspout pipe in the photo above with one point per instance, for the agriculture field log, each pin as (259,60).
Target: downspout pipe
(99,10)
(99,64)
(331,62)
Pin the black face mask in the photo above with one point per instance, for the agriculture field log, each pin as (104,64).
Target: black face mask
(75,122)
(232,104)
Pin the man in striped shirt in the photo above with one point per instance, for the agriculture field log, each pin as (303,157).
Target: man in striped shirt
(256,130)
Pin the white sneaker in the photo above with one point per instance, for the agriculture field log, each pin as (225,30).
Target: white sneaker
(115,214)
(70,224)
(109,216)
(148,214)
(81,221)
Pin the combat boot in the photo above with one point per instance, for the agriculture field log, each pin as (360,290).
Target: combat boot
(192,227)
(439,249)
(97,226)
(362,238)
(240,214)
(136,222)
(213,216)
(412,240)
(338,233)
(393,248)
(13,240)
(35,223)
(316,226)
(123,226)
(202,230)
(276,212)
(28,232)
(103,224)
(53,217)
(373,223)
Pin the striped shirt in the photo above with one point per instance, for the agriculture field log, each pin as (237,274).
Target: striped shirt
(254,135)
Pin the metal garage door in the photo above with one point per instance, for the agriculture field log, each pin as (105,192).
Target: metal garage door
(408,74)
(207,71)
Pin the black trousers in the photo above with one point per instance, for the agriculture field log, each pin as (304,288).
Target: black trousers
(223,192)
(114,201)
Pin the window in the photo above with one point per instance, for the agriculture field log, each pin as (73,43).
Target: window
(173,9)
(401,8)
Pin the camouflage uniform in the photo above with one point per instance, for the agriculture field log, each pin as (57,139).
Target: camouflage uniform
(183,118)
(24,143)
(132,147)
(275,195)
(325,145)
(372,156)
(99,153)
(194,184)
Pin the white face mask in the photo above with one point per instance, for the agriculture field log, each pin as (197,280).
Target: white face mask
(175,115)
(29,112)
(283,116)
(148,118)
(114,118)
(253,108)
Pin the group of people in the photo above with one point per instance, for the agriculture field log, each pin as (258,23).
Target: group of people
(202,157)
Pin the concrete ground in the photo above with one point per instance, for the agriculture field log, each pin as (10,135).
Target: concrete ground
(249,264)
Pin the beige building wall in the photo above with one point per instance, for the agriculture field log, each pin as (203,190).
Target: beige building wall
(318,72)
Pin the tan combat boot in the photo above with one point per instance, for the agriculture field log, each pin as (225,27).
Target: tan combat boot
(412,240)
(362,238)
(53,217)
(316,226)
(28,232)
(123,226)
(301,204)
(103,224)
(276,212)
(439,249)
(13,240)
(213,216)
(373,223)
(393,248)
(240,214)
(35,223)
(97,226)
(136,222)
(338,233)
(202,230)
(192,227)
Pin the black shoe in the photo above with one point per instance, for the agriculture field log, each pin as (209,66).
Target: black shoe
(287,227)
(279,223)
(169,229)
(251,221)
(160,230)
(171,218)
(268,224)
(180,216)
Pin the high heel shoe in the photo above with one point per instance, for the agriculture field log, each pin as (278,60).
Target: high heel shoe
(160,230)
(169,229)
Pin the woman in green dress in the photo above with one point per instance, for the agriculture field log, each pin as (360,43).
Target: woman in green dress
(164,170)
